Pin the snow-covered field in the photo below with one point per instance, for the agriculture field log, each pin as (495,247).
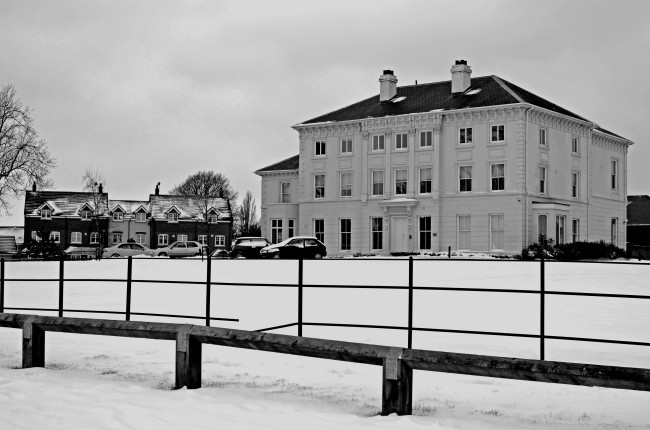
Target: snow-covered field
(113,383)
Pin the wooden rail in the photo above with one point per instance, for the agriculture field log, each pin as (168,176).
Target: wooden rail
(397,363)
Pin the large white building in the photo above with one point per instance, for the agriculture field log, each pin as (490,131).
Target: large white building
(474,163)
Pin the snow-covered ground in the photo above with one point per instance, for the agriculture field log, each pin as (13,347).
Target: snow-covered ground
(114,383)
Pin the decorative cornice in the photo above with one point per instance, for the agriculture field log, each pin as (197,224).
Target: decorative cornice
(609,142)
(316,131)
(559,122)
(484,115)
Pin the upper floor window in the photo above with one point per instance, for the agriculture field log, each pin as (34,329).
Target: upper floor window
(401,181)
(319,148)
(346,184)
(285,192)
(118,216)
(140,217)
(377,182)
(401,141)
(464,178)
(378,142)
(542,136)
(498,177)
(614,175)
(86,214)
(319,186)
(575,184)
(498,133)
(425,180)
(346,146)
(46,213)
(213,218)
(426,139)
(172,217)
(465,136)
(575,145)
(542,179)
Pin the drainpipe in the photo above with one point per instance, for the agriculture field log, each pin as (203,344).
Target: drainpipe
(525,202)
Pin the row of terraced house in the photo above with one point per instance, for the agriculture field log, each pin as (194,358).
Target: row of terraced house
(91,219)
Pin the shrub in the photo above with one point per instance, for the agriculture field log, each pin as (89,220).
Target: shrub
(571,251)
(543,249)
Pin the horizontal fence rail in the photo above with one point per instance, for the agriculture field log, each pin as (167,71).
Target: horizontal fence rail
(397,363)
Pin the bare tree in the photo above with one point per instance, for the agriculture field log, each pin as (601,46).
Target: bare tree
(24,156)
(94,182)
(247,224)
(207,189)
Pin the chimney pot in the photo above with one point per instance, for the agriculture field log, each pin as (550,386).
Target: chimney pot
(387,86)
(461,76)
(158,189)
(101,188)
(34,186)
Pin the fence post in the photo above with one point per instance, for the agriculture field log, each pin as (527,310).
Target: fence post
(541,309)
(61,287)
(300,268)
(129,272)
(208,280)
(410,331)
(2,285)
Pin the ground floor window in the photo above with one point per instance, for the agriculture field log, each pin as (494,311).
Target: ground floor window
(203,239)
(94,237)
(560,225)
(141,238)
(117,237)
(346,234)
(291,228)
(377,233)
(319,229)
(55,237)
(219,240)
(542,222)
(182,238)
(497,232)
(276,230)
(163,240)
(75,237)
(614,231)
(425,232)
(575,229)
(35,235)
(464,232)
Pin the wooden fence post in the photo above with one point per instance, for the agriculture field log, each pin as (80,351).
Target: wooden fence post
(397,385)
(188,359)
(33,344)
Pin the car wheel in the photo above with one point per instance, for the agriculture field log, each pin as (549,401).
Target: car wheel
(318,256)
(162,254)
(115,255)
(277,256)
(235,254)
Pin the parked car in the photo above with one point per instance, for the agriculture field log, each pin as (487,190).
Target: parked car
(126,249)
(220,253)
(180,249)
(296,247)
(248,247)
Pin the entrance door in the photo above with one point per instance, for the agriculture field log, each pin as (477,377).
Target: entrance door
(399,234)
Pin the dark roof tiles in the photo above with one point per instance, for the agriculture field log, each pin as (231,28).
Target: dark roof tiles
(291,163)
(189,208)
(63,203)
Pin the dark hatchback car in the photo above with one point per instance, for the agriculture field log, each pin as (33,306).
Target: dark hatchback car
(296,247)
(248,247)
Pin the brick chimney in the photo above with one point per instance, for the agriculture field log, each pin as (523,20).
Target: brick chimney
(101,189)
(34,186)
(158,189)
(461,76)
(387,86)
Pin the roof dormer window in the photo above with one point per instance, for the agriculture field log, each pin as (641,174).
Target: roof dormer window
(86,214)
(46,213)
(141,216)
(172,216)
(118,215)
(213,217)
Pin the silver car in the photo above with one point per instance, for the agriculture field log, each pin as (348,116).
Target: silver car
(180,249)
(126,250)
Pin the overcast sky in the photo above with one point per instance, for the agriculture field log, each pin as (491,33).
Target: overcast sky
(152,91)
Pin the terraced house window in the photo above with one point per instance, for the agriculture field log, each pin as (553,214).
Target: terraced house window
(346,146)
(498,176)
(276,230)
(498,133)
(378,142)
(182,238)
(140,217)
(346,184)
(172,217)
(213,218)
(464,178)
(426,139)
(163,240)
(377,182)
(425,232)
(346,234)
(55,236)
(319,229)
(86,214)
(117,237)
(319,148)
(401,181)
(46,214)
(75,237)
(94,237)
(219,240)
(425,180)
(465,136)
(377,233)
(118,216)
(401,141)
(203,239)
(319,186)
(141,238)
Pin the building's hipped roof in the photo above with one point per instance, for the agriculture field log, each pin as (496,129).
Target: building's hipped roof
(638,210)
(485,91)
(291,163)
(63,203)
(187,206)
